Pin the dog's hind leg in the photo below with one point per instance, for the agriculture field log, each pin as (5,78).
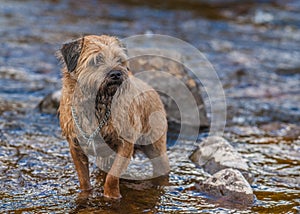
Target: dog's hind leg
(157,153)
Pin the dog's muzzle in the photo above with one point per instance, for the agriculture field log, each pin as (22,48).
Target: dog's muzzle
(115,75)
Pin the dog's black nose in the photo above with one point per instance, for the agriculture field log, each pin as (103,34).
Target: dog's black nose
(115,74)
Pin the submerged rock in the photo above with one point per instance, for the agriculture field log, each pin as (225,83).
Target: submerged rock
(228,185)
(215,153)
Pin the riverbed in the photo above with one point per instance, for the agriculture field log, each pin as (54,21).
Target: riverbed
(254,47)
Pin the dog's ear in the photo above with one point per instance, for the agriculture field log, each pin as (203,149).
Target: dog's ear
(70,53)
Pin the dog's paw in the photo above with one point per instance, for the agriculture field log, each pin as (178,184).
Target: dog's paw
(112,195)
(111,187)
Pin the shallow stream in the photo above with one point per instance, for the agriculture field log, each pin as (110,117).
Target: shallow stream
(255,49)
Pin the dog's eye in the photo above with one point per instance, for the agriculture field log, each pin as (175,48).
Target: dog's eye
(97,60)
(120,60)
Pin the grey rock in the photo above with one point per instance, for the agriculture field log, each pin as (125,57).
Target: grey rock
(228,185)
(50,103)
(165,73)
(215,153)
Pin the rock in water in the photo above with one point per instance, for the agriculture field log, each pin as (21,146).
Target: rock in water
(50,103)
(228,185)
(166,73)
(215,153)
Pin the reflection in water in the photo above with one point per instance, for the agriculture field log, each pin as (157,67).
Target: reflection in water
(255,50)
(140,196)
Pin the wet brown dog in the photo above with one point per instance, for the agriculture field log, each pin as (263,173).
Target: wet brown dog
(101,99)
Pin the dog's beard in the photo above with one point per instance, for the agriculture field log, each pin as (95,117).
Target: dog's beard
(107,91)
(95,94)
(109,88)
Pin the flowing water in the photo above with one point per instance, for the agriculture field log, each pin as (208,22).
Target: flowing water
(255,49)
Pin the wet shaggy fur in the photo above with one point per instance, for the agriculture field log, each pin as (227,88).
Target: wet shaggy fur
(96,78)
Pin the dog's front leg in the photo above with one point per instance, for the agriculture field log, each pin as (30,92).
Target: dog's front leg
(81,163)
(111,186)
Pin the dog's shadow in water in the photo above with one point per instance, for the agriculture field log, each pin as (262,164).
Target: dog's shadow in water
(137,196)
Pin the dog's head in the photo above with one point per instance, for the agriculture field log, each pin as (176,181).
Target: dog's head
(96,61)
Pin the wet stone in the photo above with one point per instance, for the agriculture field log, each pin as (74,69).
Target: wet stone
(171,62)
(228,185)
(215,153)
(50,103)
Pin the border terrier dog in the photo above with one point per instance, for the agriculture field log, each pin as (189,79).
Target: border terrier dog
(102,101)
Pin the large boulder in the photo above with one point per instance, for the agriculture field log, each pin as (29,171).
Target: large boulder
(228,185)
(215,153)
(166,73)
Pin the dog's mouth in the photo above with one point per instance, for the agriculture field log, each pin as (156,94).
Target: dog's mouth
(114,82)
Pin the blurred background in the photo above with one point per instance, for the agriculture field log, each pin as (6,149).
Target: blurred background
(254,45)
